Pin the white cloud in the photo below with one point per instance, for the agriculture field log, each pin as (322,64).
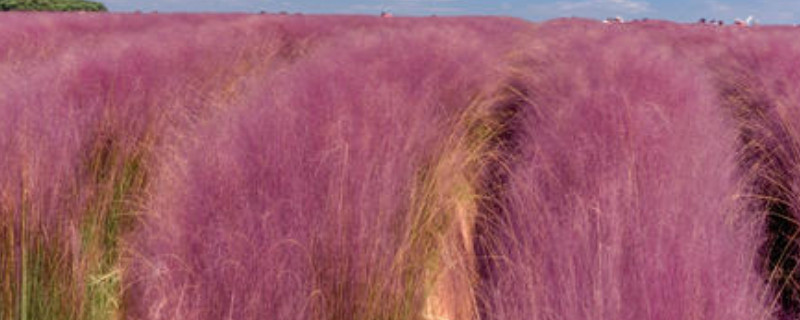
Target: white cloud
(411,7)
(718,7)
(590,8)
(426,1)
(765,11)
(366,7)
(631,6)
(443,10)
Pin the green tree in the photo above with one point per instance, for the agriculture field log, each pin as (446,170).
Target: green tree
(51,5)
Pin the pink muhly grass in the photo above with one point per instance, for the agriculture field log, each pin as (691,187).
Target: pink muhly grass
(351,167)
(757,83)
(77,133)
(621,201)
(310,184)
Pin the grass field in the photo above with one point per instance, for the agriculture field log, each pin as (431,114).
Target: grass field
(234,166)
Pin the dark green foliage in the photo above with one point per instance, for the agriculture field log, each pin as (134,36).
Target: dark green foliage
(51,5)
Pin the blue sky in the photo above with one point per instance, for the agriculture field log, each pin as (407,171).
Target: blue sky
(766,11)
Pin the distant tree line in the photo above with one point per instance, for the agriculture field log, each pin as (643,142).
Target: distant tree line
(51,5)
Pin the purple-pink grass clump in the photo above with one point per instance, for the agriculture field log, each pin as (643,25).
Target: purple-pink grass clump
(309,183)
(239,166)
(623,199)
